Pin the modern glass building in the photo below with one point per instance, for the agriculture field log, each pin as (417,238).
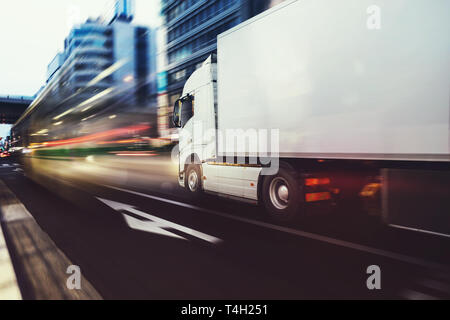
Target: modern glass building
(88,51)
(100,54)
(191,28)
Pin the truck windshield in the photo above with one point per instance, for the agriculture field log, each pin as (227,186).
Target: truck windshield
(176,114)
(187,110)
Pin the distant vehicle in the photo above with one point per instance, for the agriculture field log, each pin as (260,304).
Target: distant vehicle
(362,110)
(4,154)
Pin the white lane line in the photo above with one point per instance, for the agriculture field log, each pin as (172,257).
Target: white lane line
(9,289)
(304,234)
(415,295)
(435,285)
(420,230)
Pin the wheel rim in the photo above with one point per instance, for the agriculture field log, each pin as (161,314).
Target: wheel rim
(193,180)
(279,193)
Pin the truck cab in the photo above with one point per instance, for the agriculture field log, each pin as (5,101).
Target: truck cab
(200,167)
(195,115)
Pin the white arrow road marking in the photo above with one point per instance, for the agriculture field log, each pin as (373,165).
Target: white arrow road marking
(155,224)
(149,226)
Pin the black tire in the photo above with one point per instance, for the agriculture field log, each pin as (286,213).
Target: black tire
(193,179)
(282,195)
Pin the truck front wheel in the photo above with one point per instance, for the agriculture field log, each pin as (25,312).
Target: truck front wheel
(193,179)
(281,195)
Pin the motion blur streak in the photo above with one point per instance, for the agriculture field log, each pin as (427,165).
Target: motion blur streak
(96,136)
(116,66)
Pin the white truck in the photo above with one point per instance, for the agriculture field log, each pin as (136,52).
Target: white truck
(335,88)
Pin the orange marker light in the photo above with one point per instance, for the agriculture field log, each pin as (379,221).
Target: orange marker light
(317,182)
(320,196)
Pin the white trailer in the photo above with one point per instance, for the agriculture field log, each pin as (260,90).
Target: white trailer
(352,81)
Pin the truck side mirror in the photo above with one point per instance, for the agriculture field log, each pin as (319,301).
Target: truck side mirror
(177,113)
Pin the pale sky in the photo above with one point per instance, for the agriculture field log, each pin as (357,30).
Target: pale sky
(4,130)
(33,31)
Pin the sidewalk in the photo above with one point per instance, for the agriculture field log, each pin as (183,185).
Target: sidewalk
(9,289)
(40,267)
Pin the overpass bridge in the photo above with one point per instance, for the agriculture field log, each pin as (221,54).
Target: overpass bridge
(12,107)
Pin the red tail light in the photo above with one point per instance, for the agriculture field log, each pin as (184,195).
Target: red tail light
(317,182)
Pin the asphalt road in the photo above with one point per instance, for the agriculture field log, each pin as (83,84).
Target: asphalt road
(134,240)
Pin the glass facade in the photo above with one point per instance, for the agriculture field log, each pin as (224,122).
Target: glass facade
(192,30)
(89,47)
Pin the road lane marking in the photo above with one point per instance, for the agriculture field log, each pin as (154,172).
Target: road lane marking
(155,224)
(150,226)
(415,295)
(420,230)
(435,285)
(304,234)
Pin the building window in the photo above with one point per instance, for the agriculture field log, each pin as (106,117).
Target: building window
(201,42)
(180,75)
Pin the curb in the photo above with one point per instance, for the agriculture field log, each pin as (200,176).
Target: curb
(9,288)
(41,267)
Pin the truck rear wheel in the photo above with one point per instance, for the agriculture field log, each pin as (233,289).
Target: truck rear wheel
(193,179)
(282,195)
